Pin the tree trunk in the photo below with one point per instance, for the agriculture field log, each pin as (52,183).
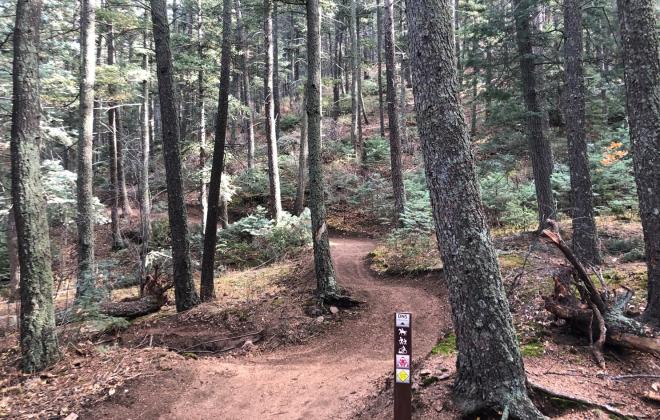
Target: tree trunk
(302,160)
(276,69)
(37,318)
(539,146)
(585,240)
(271,133)
(201,130)
(336,85)
(392,114)
(12,252)
(326,283)
(207,292)
(358,74)
(639,38)
(247,94)
(490,368)
(356,136)
(145,141)
(379,47)
(85,194)
(184,289)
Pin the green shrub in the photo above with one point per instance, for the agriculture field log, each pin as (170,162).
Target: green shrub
(289,121)
(508,203)
(377,150)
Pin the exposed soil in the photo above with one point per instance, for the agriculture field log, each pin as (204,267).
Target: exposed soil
(326,378)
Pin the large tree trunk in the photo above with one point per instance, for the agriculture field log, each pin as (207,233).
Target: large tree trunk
(326,283)
(379,53)
(539,146)
(271,132)
(639,38)
(12,252)
(245,86)
(276,69)
(145,141)
(201,130)
(303,152)
(210,237)
(37,317)
(184,289)
(356,135)
(85,220)
(490,368)
(336,85)
(585,240)
(392,113)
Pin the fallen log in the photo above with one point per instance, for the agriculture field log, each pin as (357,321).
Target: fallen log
(133,308)
(611,325)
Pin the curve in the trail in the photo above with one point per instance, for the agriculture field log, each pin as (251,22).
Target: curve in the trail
(327,378)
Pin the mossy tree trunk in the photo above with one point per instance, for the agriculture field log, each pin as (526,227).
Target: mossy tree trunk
(640,45)
(491,375)
(37,317)
(85,221)
(184,290)
(326,283)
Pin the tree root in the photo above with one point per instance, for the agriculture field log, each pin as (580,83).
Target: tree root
(583,401)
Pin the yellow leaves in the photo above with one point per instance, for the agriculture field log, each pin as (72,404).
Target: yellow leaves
(613,153)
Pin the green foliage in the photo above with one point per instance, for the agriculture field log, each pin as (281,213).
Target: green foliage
(377,150)
(446,346)
(160,234)
(255,239)
(508,203)
(629,249)
(289,121)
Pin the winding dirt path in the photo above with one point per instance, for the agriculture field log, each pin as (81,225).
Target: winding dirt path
(329,377)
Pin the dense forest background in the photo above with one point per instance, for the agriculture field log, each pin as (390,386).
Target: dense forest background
(191,156)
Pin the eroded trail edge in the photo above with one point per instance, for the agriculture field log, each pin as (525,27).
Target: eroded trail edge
(329,377)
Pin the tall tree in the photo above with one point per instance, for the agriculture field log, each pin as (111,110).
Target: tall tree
(392,112)
(144,197)
(539,145)
(639,42)
(585,241)
(201,130)
(379,53)
(37,318)
(303,153)
(326,283)
(276,69)
(356,135)
(85,220)
(245,85)
(271,132)
(490,368)
(184,289)
(207,290)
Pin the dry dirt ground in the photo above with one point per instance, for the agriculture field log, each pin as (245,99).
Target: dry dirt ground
(329,377)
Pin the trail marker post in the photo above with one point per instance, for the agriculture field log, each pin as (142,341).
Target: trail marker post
(402,369)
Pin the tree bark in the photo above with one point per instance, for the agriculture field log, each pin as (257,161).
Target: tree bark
(379,47)
(326,283)
(271,132)
(585,239)
(184,289)
(539,146)
(145,142)
(303,152)
(207,291)
(276,69)
(490,368)
(14,263)
(37,317)
(201,130)
(85,194)
(356,136)
(639,39)
(392,113)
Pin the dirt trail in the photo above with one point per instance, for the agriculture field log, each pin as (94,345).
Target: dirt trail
(327,378)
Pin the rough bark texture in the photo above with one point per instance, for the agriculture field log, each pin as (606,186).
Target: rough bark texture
(184,290)
(144,197)
(12,252)
(392,113)
(201,130)
(303,152)
(490,368)
(326,283)
(207,291)
(271,132)
(85,220)
(356,136)
(585,240)
(37,317)
(639,38)
(539,146)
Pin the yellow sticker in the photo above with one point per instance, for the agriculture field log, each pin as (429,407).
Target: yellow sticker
(403,376)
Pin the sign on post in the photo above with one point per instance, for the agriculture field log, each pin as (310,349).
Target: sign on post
(402,369)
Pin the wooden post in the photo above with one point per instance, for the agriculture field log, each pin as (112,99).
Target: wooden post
(402,368)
